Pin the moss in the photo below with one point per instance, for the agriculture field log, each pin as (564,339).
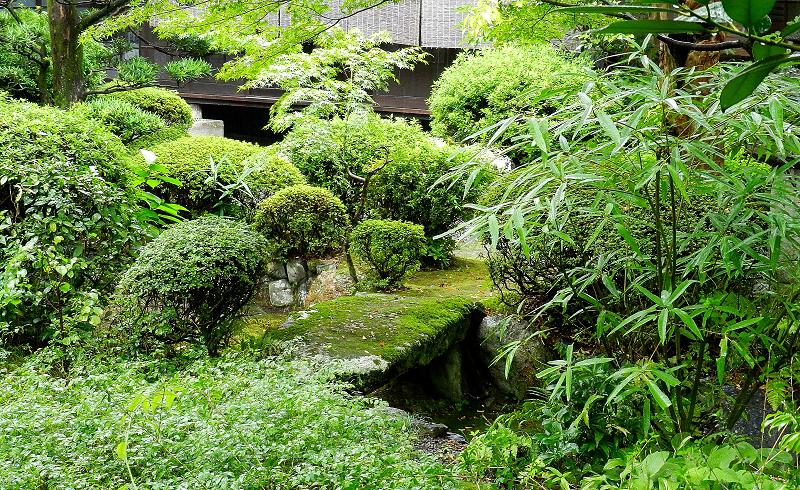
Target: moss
(466,278)
(387,334)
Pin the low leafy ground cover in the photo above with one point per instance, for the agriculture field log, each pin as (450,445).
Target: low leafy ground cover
(236,423)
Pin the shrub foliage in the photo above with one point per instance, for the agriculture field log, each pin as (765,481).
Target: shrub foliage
(189,283)
(481,89)
(166,104)
(129,122)
(67,224)
(265,173)
(199,162)
(391,248)
(303,221)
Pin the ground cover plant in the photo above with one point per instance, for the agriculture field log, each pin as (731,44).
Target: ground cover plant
(230,424)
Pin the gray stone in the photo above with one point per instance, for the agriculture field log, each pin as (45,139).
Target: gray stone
(207,127)
(445,375)
(276,270)
(324,267)
(280,293)
(531,357)
(197,111)
(326,286)
(295,271)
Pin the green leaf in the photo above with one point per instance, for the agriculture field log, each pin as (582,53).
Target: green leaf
(763,51)
(745,83)
(653,27)
(614,9)
(663,318)
(748,12)
(121,451)
(659,396)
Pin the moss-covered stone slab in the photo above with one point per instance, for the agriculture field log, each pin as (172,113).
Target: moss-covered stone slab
(377,337)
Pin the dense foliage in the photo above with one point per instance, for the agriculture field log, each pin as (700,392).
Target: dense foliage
(67,222)
(188,284)
(129,122)
(164,103)
(391,248)
(303,221)
(265,173)
(201,163)
(403,163)
(236,424)
(483,88)
(635,229)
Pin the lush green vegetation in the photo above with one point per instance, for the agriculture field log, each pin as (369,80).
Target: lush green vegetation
(189,283)
(391,248)
(303,221)
(236,423)
(481,90)
(645,233)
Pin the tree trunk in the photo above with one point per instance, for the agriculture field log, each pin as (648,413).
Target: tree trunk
(66,51)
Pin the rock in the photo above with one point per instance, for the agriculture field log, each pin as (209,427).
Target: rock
(280,293)
(323,267)
(276,270)
(327,285)
(197,111)
(445,375)
(207,127)
(452,436)
(528,359)
(295,271)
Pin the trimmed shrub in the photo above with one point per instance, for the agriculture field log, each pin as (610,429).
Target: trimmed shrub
(189,160)
(403,189)
(189,283)
(127,121)
(270,173)
(303,221)
(480,89)
(66,226)
(33,133)
(392,249)
(169,133)
(166,104)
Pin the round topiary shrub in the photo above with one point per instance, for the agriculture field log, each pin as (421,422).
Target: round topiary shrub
(129,122)
(189,160)
(189,283)
(482,88)
(303,221)
(391,248)
(166,104)
(267,172)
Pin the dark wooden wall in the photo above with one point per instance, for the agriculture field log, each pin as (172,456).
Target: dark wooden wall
(406,97)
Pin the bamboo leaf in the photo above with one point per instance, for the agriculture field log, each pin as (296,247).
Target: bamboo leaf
(653,27)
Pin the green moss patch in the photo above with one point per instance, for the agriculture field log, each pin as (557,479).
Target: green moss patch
(465,278)
(379,336)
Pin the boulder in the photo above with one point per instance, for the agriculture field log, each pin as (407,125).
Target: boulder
(295,271)
(276,270)
(530,358)
(207,127)
(280,293)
